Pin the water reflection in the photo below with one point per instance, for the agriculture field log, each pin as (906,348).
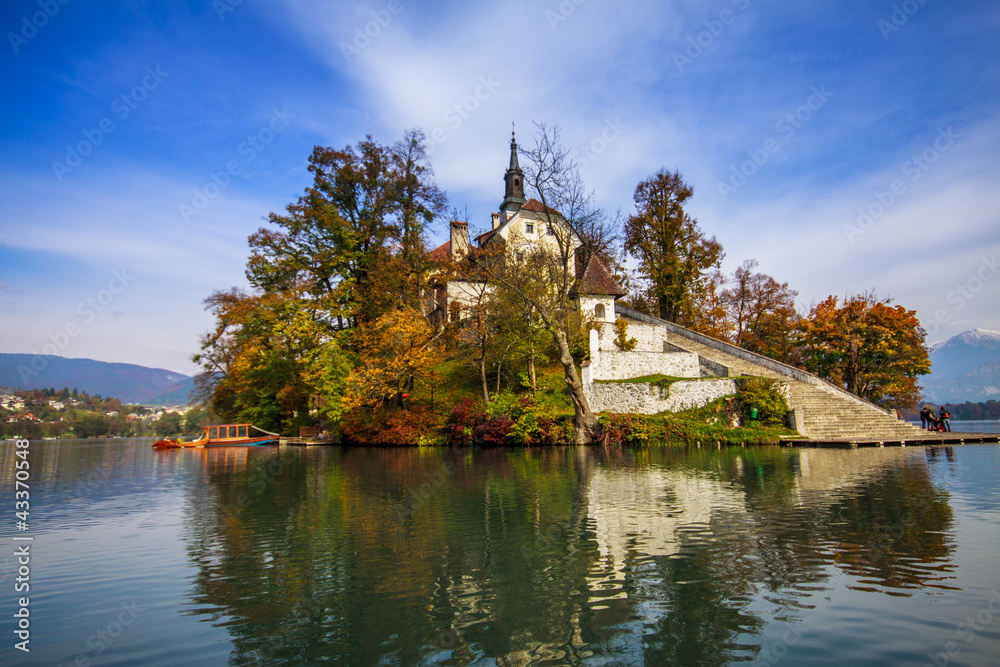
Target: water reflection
(554,556)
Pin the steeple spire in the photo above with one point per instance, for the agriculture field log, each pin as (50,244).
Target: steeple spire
(513,180)
(514,166)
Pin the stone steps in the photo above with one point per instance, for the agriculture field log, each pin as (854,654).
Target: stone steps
(823,411)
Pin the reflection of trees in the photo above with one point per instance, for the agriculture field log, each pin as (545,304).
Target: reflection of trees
(321,563)
(410,556)
(891,530)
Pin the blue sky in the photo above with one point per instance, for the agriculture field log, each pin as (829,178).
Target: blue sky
(847,146)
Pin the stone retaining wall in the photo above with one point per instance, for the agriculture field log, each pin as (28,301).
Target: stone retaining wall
(648,399)
(607,362)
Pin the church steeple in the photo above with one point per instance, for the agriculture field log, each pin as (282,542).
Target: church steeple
(513,180)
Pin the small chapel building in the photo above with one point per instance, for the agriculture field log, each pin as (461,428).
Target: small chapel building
(522,226)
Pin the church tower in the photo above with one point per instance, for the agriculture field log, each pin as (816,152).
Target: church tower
(514,181)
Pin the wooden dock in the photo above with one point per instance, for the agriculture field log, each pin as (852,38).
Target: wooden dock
(930,439)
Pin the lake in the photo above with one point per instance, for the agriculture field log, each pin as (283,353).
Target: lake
(558,556)
(972,426)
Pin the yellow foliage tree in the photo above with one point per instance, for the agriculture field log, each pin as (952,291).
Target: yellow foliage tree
(394,351)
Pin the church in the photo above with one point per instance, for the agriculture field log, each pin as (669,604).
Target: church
(521,226)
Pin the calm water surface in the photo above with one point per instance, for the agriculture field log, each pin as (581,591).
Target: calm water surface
(521,557)
(974,426)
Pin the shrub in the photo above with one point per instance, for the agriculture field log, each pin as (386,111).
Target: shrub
(510,420)
(763,394)
(467,414)
(493,432)
(390,427)
(623,429)
(622,341)
(537,425)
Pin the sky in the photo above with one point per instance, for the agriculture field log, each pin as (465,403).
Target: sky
(846,146)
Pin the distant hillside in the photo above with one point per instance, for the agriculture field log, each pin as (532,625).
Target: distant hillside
(127,382)
(965,368)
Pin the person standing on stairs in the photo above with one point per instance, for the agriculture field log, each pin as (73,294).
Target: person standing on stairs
(925,418)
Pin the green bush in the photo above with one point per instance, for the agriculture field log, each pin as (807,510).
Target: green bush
(763,394)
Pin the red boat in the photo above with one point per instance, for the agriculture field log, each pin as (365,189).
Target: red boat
(222,435)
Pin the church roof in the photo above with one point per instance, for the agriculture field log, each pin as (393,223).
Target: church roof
(442,253)
(597,279)
(538,207)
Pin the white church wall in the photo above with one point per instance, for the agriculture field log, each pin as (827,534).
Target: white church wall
(467,294)
(588,305)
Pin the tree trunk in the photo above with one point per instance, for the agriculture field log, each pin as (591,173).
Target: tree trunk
(532,377)
(482,379)
(584,420)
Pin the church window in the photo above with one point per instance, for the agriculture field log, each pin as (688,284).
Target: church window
(530,229)
(599,311)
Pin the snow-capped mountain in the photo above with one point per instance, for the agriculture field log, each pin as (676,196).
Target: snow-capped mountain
(965,368)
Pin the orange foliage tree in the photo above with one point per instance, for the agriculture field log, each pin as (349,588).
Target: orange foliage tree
(873,349)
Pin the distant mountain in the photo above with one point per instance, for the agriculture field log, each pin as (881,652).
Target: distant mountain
(126,382)
(966,367)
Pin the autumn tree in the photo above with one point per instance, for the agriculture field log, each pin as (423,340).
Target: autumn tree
(873,349)
(521,339)
(476,332)
(265,356)
(673,253)
(762,313)
(394,351)
(350,250)
(709,311)
(355,239)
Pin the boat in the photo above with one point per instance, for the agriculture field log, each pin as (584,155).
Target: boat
(222,435)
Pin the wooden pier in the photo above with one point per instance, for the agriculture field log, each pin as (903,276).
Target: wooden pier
(931,439)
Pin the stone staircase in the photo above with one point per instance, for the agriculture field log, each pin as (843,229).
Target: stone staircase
(821,410)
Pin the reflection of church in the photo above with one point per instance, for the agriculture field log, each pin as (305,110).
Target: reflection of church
(521,226)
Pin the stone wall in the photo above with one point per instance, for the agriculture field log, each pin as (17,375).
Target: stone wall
(648,338)
(648,399)
(607,362)
(628,365)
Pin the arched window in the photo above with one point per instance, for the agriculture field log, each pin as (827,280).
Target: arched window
(599,311)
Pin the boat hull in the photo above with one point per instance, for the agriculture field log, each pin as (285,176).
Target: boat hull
(242,442)
(239,435)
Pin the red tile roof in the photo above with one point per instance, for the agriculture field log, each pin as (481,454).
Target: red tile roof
(442,253)
(538,207)
(485,236)
(597,279)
